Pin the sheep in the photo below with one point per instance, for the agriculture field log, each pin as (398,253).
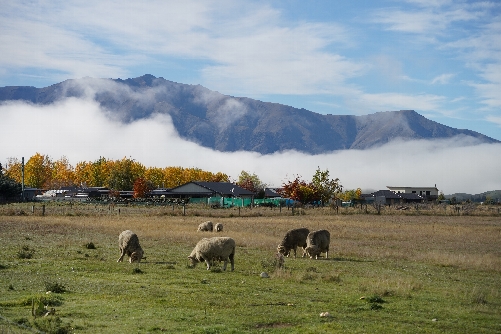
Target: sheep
(128,243)
(216,248)
(206,226)
(218,227)
(317,242)
(292,239)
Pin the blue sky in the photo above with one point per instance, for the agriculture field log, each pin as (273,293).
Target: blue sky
(441,58)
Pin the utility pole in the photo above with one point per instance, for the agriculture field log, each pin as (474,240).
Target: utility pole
(22,179)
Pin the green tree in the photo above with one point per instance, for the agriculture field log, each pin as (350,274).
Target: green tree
(326,188)
(252,183)
(9,188)
(123,173)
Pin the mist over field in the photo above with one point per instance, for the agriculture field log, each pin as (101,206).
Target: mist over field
(80,130)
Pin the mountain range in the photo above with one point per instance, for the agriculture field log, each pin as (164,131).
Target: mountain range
(228,123)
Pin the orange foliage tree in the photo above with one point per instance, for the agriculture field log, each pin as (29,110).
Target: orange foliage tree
(142,187)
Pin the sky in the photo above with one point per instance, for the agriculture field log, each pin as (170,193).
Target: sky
(441,58)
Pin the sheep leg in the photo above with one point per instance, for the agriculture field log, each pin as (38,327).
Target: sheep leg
(225,263)
(122,254)
(207,261)
(232,261)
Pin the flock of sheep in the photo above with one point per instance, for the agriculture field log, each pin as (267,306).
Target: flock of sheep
(223,248)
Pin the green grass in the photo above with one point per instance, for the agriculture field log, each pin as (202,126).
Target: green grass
(384,275)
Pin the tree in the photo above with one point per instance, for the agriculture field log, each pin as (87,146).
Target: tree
(326,188)
(142,187)
(9,188)
(38,171)
(63,174)
(123,173)
(349,195)
(300,190)
(252,183)
(13,169)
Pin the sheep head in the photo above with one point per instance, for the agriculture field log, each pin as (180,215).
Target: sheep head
(136,256)
(313,251)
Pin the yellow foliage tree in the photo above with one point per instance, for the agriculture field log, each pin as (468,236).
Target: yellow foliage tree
(38,171)
(63,174)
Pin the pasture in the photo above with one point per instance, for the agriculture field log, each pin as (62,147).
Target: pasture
(405,273)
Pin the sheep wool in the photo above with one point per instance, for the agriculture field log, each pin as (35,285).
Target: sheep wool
(293,239)
(205,227)
(128,243)
(318,242)
(216,248)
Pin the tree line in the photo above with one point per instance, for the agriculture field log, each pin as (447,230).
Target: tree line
(127,174)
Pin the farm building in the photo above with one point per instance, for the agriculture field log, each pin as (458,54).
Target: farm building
(428,193)
(221,194)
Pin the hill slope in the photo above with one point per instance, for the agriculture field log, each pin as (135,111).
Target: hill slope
(227,123)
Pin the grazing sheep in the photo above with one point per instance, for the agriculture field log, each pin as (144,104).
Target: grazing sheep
(128,243)
(216,248)
(293,239)
(318,242)
(206,226)
(218,227)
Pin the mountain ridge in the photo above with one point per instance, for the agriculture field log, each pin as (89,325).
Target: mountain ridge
(227,123)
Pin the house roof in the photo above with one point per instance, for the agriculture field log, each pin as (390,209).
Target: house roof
(269,192)
(226,189)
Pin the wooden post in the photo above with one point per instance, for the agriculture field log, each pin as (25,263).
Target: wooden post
(32,209)
(184,210)
(43,210)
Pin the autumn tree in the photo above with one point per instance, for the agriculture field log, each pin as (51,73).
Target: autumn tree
(38,171)
(155,176)
(123,173)
(252,183)
(142,187)
(63,174)
(13,169)
(321,188)
(93,174)
(300,190)
(349,195)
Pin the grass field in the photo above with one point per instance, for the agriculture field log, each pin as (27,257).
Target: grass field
(388,273)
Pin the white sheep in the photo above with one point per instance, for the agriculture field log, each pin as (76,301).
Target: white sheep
(218,227)
(205,226)
(216,248)
(128,243)
(318,242)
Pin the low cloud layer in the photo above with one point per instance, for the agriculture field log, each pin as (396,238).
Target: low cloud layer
(81,131)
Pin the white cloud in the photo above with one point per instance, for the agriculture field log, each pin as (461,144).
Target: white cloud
(442,79)
(81,131)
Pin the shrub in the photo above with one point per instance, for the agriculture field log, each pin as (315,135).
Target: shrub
(26,253)
(54,287)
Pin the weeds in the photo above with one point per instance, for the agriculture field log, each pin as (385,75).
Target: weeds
(54,287)
(26,253)
(90,245)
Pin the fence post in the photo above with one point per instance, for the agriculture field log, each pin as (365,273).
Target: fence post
(32,209)
(43,210)
(184,209)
